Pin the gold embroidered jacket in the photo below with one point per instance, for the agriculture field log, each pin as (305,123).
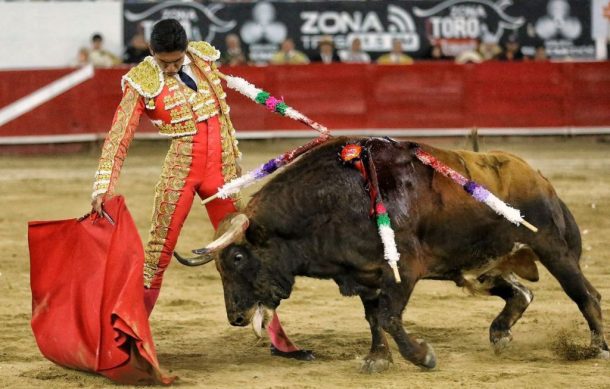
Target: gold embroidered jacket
(172,107)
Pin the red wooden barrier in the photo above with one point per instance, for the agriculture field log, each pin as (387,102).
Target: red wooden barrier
(341,96)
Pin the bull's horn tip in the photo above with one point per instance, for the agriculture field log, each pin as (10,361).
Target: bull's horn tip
(180,258)
(201,260)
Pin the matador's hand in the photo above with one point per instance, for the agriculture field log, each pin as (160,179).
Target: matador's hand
(97,202)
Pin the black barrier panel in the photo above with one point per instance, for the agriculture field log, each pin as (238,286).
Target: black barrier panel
(562,26)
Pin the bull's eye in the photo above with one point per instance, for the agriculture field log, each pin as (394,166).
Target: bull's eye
(238,257)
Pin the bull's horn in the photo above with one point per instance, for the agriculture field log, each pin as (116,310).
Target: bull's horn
(196,261)
(239,224)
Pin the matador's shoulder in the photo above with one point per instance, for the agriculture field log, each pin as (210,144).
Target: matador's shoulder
(146,78)
(204,50)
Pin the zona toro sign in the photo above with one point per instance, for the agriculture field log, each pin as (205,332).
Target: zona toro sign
(562,26)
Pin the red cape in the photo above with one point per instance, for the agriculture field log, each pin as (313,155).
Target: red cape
(88,296)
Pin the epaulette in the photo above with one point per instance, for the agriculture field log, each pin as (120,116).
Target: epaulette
(146,78)
(204,50)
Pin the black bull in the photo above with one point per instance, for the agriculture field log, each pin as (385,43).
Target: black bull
(313,220)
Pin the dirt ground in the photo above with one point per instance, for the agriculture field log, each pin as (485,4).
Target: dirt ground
(195,341)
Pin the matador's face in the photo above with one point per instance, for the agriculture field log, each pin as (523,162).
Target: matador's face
(170,62)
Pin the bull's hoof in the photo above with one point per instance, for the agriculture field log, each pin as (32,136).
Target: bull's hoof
(603,354)
(429,361)
(374,365)
(301,355)
(500,340)
(500,344)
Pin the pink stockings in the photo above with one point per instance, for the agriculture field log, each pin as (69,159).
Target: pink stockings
(281,344)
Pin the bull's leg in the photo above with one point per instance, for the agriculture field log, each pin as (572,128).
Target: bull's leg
(379,357)
(518,297)
(593,291)
(392,302)
(567,271)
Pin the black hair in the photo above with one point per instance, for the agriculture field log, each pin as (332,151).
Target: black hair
(168,35)
(96,37)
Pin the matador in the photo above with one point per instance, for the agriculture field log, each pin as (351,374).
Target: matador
(179,88)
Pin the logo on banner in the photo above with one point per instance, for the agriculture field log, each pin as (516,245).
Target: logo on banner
(375,33)
(464,19)
(199,21)
(558,22)
(263,33)
(559,29)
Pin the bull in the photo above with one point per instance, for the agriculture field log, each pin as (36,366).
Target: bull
(313,220)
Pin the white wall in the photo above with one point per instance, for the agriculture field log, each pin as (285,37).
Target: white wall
(599,25)
(44,35)
(599,28)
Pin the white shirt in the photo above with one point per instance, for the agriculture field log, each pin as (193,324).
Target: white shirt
(395,58)
(187,67)
(357,57)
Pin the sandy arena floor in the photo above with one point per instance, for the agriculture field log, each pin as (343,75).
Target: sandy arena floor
(195,341)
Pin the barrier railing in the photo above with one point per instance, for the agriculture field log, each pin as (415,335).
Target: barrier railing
(434,98)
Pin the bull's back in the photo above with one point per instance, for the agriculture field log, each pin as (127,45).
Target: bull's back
(512,180)
(506,175)
(321,207)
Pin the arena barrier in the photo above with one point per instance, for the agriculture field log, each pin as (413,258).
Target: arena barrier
(425,99)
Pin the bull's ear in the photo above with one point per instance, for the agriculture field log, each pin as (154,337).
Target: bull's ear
(256,234)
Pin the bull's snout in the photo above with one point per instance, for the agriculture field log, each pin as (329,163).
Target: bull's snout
(238,320)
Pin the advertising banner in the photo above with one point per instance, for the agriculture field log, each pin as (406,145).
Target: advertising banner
(563,27)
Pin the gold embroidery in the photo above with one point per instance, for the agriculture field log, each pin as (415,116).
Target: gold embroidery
(227,133)
(161,232)
(146,78)
(183,149)
(156,246)
(230,153)
(164,219)
(175,183)
(202,102)
(175,170)
(180,114)
(103,176)
(167,208)
(204,50)
(105,165)
(178,129)
(171,101)
(173,196)
(197,101)
(206,112)
(218,91)
(204,88)
(112,153)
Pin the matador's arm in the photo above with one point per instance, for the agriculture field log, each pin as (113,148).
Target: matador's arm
(114,151)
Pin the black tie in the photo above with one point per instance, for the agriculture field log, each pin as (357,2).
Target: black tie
(187,80)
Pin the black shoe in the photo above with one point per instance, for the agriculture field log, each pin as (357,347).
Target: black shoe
(301,355)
